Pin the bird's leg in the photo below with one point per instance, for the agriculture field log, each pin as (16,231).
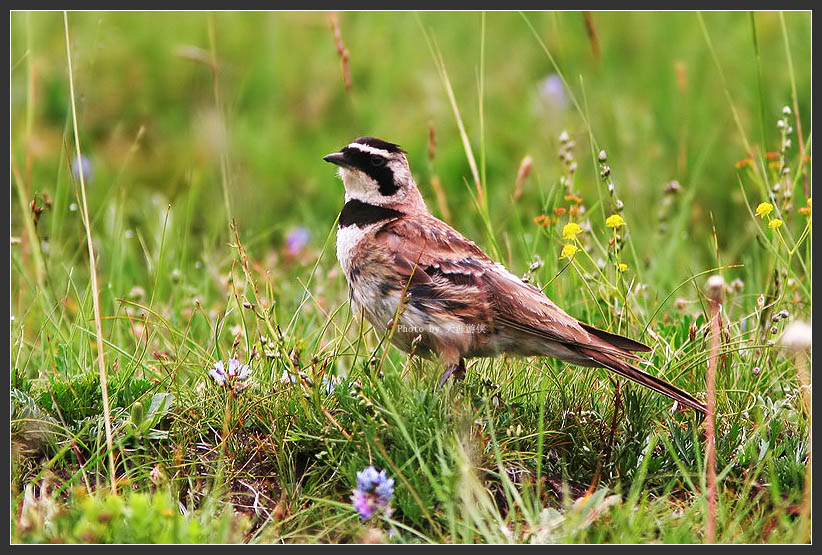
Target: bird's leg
(457,370)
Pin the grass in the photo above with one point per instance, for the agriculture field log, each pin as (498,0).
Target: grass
(204,135)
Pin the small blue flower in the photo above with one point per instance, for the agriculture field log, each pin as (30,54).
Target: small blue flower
(384,491)
(81,163)
(373,493)
(286,377)
(330,383)
(297,240)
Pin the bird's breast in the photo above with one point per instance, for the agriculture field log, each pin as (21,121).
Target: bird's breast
(350,244)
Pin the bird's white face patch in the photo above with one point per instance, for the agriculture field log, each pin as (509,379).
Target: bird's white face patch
(360,186)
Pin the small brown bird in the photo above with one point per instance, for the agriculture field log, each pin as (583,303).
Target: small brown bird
(451,299)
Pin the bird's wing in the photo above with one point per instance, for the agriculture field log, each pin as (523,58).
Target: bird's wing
(436,260)
(440,268)
(429,242)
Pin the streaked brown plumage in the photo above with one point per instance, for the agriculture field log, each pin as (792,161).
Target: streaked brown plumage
(458,302)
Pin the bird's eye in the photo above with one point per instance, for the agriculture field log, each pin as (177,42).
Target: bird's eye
(377,160)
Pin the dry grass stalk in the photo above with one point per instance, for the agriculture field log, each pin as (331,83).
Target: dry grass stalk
(334,19)
(442,199)
(436,183)
(797,339)
(590,27)
(805,513)
(524,170)
(715,286)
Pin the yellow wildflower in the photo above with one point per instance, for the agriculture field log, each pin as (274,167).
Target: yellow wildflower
(571,230)
(764,209)
(622,266)
(775,223)
(568,251)
(614,220)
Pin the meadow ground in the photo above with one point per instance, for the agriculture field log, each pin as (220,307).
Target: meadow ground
(188,122)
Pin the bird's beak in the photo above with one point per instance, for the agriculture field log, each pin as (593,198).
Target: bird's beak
(337,158)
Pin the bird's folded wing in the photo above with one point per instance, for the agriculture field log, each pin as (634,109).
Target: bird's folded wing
(434,249)
(455,265)
(440,268)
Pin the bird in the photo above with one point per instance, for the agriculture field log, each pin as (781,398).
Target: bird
(440,295)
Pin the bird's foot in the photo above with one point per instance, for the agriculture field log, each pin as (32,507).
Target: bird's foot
(456,370)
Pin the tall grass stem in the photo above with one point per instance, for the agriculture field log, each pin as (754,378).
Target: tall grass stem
(95,290)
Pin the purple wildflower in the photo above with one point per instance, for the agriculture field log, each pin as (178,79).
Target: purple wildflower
(296,241)
(363,503)
(373,493)
(218,373)
(81,164)
(552,92)
(235,377)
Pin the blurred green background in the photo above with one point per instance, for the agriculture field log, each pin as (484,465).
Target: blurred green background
(151,128)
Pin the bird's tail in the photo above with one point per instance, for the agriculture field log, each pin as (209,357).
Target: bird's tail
(619,366)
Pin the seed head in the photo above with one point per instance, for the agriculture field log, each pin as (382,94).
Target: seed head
(715,285)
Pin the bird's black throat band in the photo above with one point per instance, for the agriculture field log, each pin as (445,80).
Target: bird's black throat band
(361,214)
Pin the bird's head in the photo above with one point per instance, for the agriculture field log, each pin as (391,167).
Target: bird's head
(376,172)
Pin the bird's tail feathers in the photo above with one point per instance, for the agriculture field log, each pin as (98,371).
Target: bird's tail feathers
(641,377)
(616,340)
